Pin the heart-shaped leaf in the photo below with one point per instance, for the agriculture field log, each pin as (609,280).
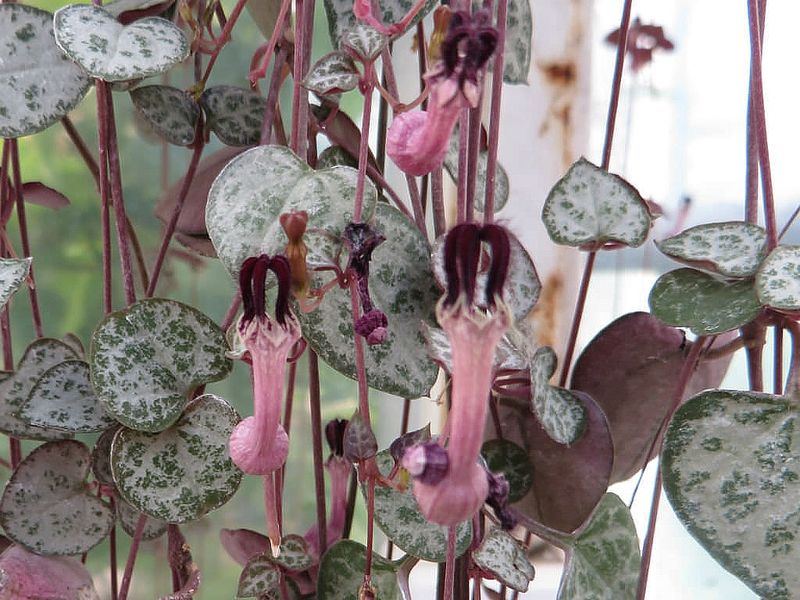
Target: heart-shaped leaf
(334,73)
(505,355)
(398,516)
(559,411)
(341,17)
(778,279)
(35,192)
(730,461)
(522,286)
(260,577)
(46,505)
(234,114)
(26,576)
(501,185)
(252,192)
(603,559)
(172,113)
(129,518)
(39,357)
(732,249)
(591,207)
(294,555)
(101,457)
(631,368)
(359,440)
(63,399)
(519,35)
(108,50)
(364,42)
(401,285)
(40,85)
(568,481)
(181,473)
(506,559)
(147,359)
(506,458)
(242,544)
(13,271)
(341,573)
(706,305)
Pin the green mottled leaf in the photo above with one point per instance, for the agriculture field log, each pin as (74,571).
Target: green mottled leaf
(334,73)
(293,555)
(334,156)
(13,271)
(522,287)
(590,207)
(129,518)
(506,458)
(364,41)
(501,185)
(255,188)
(732,249)
(341,17)
(603,560)
(778,279)
(401,285)
(172,113)
(108,50)
(40,85)
(40,356)
(359,440)
(690,298)
(341,573)
(558,410)
(183,472)
(260,577)
(147,359)
(63,399)
(519,35)
(730,464)
(234,114)
(506,559)
(398,516)
(46,505)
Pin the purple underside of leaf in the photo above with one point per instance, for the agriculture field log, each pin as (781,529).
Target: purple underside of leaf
(38,193)
(243,544)
(568,481)
(630,369)
(30,576)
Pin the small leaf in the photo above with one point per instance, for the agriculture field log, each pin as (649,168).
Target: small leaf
(398,447)
(119,7)
(603,560)
(506,458)
(38,193)
(234,114)
(40,85)
(46,505)
(129,518)
(13,272)
(260,577)
(108,50)
(341,18)
(147,359)
(730,460)
(519,35)
(501,185)
(506,559)
(336,156)
(778,279)
(181,473)
(365,42)
(591,207)
(63,399)
(172,113)
(359,439)
(294,555)
(243,544)
(558,410)
(708,306)
(26,576)
(733,249)
(398,516)
(341,573)
(334,73)
(101,456)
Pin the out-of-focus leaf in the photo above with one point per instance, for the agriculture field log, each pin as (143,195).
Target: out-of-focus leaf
(341,573)
(28,576)
(36,192)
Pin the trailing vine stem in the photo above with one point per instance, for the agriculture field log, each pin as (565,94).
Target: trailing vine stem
(128,573)
(316,439)
(223,39)
(112,550)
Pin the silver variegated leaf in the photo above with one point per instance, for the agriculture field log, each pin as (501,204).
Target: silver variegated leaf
(108,50)
(234,114)
(590,207)
(334,73)
(172,113)
(364,41)
(504,457)
(506,559)
(46,505)
(501,184)
(13,271)
(183,472)
(341,573)
(294,555)
(260,577)
(730,464)
(341,17)
(778,279)
(558,410)
(40,85)
(519,36)
(732,249)
(101,457)
(147,359)
(129,519)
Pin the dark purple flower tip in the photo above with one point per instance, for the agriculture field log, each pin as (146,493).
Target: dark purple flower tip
(334,433)
(470,42)
(252,284)
(372,326)
(427,462)
(497,499)
(362,239)
(398,447)
(462,253)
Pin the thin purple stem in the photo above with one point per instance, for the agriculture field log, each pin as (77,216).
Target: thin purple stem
(223,38)
(494,112)
(128,574)
(316,438)
(103,185)
(472,160)
(363,150)
(272,95)
(437,202)
(576,319)
(230,314)
(463,145)
(450,564)
(112,551)
(616,85)
(299,94)
(777,373)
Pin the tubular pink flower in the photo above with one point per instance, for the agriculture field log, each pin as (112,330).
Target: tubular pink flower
(338,469)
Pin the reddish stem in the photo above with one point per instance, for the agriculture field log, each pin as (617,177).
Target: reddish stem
(616,85)
(363,151)
(112,551)
(437,202)
(472,159)
(316,438)
(463,144)
(494,114)
(299,95)
(777,374)
(137,539)
(224,38)
(576,319)
(275,81)
(230,314)
(450,564)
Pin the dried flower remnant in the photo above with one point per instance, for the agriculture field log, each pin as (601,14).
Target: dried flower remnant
(642,41)
(449,495)
(363,239)
(294,225)
(417,141)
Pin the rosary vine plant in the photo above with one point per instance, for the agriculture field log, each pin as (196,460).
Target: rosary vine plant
(389,288)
